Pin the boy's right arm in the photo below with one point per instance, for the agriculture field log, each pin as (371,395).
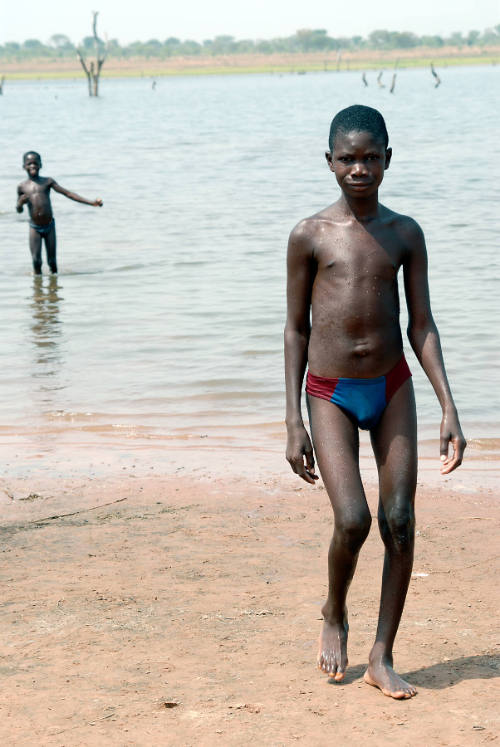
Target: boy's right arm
(22,199)
(300,276)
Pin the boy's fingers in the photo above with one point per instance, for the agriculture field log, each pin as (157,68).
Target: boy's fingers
(305,475)
(298,466)
(450,465)
(310,466)
(455,460)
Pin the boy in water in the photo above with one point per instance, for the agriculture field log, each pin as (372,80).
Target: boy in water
(36,192)
(342,265)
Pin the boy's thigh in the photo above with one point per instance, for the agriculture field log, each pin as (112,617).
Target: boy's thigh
(394,442)
(35,244)
(336,445)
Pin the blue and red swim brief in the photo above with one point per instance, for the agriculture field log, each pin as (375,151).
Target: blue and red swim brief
(364,399)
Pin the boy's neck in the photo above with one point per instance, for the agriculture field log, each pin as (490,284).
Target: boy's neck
(363,210)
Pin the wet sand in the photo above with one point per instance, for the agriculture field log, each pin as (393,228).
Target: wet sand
(174,603)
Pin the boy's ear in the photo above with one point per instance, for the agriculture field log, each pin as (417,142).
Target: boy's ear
(388,156)
(329,159)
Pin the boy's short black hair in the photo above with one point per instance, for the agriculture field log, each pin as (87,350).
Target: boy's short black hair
(359,118)
(31,153)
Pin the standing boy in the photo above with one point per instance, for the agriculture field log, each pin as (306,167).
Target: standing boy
(342,266)
(36,192)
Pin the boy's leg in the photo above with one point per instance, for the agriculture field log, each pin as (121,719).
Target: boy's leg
(36,250)
(50,246)
(395,446)
(336,443)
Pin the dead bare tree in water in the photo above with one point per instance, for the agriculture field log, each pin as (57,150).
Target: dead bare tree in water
(363,78)
(393,82)
(2,81)
(436,76)
(92,69)
(379,79)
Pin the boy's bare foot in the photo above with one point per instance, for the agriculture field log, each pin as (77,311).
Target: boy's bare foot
(381,674)
(332,654)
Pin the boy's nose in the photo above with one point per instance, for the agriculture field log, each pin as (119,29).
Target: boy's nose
(358,168)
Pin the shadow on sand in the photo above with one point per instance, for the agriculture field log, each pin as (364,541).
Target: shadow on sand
(447,673)
(442,675)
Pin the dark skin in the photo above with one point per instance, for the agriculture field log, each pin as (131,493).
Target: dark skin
(35,192)
(342,272)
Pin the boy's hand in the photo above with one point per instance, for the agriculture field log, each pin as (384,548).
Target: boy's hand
(451,432)
(299,454)
(22,200)
(97,203)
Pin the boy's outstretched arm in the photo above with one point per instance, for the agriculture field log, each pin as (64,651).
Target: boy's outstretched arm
(73,196)
(300,274)
(424,339)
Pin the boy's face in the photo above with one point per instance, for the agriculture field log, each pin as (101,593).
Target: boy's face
(358,161)
(32,165)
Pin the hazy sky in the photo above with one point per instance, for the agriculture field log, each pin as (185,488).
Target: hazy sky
(253,19)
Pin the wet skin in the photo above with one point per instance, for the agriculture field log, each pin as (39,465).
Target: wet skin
(35,192)
(343,264)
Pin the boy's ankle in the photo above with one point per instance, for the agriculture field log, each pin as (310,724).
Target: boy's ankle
(380,653)
(333,615)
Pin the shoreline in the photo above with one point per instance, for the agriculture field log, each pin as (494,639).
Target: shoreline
(247,454)
(393,60)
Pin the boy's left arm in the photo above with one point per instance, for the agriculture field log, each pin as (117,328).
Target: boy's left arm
(73,196)
(424,338)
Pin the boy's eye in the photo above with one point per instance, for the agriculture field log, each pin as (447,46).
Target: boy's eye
(373,157)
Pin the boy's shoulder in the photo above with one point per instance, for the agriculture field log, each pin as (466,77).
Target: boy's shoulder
(405,226)
(308,228)
(398,220)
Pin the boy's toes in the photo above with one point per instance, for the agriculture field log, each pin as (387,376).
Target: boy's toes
(324,663)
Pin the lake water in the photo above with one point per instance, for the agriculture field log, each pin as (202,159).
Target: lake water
(166,319)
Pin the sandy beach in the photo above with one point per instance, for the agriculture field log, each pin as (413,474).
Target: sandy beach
(255,63)
(178,603)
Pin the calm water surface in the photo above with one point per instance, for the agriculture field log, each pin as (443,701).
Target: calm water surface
(167,316)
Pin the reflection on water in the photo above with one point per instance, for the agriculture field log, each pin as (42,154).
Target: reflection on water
(46,336)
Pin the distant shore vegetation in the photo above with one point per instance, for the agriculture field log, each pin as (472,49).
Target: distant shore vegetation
(59,46)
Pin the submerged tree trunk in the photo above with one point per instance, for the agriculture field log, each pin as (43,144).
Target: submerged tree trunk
(93,68)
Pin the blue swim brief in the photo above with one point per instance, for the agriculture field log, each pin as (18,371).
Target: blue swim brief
(43,230)
(364,399)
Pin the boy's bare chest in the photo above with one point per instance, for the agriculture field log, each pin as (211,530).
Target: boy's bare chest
(358,255)
(36,189)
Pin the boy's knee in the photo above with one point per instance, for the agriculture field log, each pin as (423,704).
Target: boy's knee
(398,525)
(354,528)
